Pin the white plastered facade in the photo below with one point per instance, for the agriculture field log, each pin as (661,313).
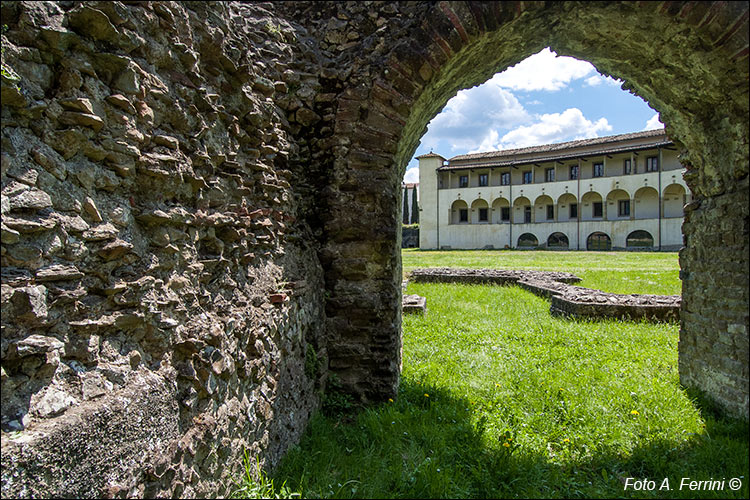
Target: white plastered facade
(466,203)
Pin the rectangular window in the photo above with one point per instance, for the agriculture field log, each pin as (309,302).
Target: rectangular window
(463,215)
(483,215)
(550,212)
(483,178)
(573,172)
(626,167)
(549,175)
(505,179)
(623,208)
(463,181)
(505,213)
(598,169)
(527,214)
(597,209)
(574,210)
(652,164)
(527,177)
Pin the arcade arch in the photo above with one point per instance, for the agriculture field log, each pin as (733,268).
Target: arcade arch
(598,241)
(544,209)
(567,207)
(459,212)
(618,205)
(646,203)
(500,211)
(674,198)
(522,211)
(480,212)
(592,206)
(639,239)
(527,240)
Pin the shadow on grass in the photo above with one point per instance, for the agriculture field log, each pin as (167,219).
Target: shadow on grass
(429,444)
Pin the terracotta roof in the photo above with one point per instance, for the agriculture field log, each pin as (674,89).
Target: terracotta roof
(410,185)
(550,148)
(429,155)
(505,162)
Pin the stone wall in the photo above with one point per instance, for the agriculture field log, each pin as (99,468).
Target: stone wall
(200,212)
(399,63)
(161,290)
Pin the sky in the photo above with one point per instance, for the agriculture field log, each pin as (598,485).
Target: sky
(544,99)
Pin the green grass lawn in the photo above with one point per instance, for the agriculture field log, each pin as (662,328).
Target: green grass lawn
(499,399)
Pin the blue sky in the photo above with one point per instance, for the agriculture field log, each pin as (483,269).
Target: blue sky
(543,99)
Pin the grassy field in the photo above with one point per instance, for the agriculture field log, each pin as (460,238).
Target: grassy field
(498,399)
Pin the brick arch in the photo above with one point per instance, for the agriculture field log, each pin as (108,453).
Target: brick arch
(700,91)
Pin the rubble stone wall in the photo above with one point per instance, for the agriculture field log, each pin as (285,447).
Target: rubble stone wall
(201,199)
(162,297)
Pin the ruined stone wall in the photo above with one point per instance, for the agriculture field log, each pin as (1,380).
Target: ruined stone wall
(713,348)
(400,62)
(161,291)
(200,212)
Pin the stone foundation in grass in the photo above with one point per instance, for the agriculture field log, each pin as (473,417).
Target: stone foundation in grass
(566,299)
(414,304)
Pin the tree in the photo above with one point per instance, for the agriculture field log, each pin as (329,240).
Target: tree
(414,207)
(405,215)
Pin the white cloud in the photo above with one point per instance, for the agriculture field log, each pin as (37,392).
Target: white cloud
(490,117)
(488,143)
(468,119)
(554,127)
(598,79)
(412,175)
(654,123)
(543,71)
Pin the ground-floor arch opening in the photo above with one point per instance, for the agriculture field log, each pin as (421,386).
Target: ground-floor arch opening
(557,241)
(598,241)
(527,240)
(639,239)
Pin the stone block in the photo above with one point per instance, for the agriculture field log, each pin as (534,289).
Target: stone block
(414,304)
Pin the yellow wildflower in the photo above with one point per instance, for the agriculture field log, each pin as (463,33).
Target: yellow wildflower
(507,445)
(426,395)
(634,412)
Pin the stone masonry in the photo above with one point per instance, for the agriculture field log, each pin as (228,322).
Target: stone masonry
(200,212)
(565,299)
(162,297)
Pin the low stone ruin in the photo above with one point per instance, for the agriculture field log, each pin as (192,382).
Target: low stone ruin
(566,299)
(414,304)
